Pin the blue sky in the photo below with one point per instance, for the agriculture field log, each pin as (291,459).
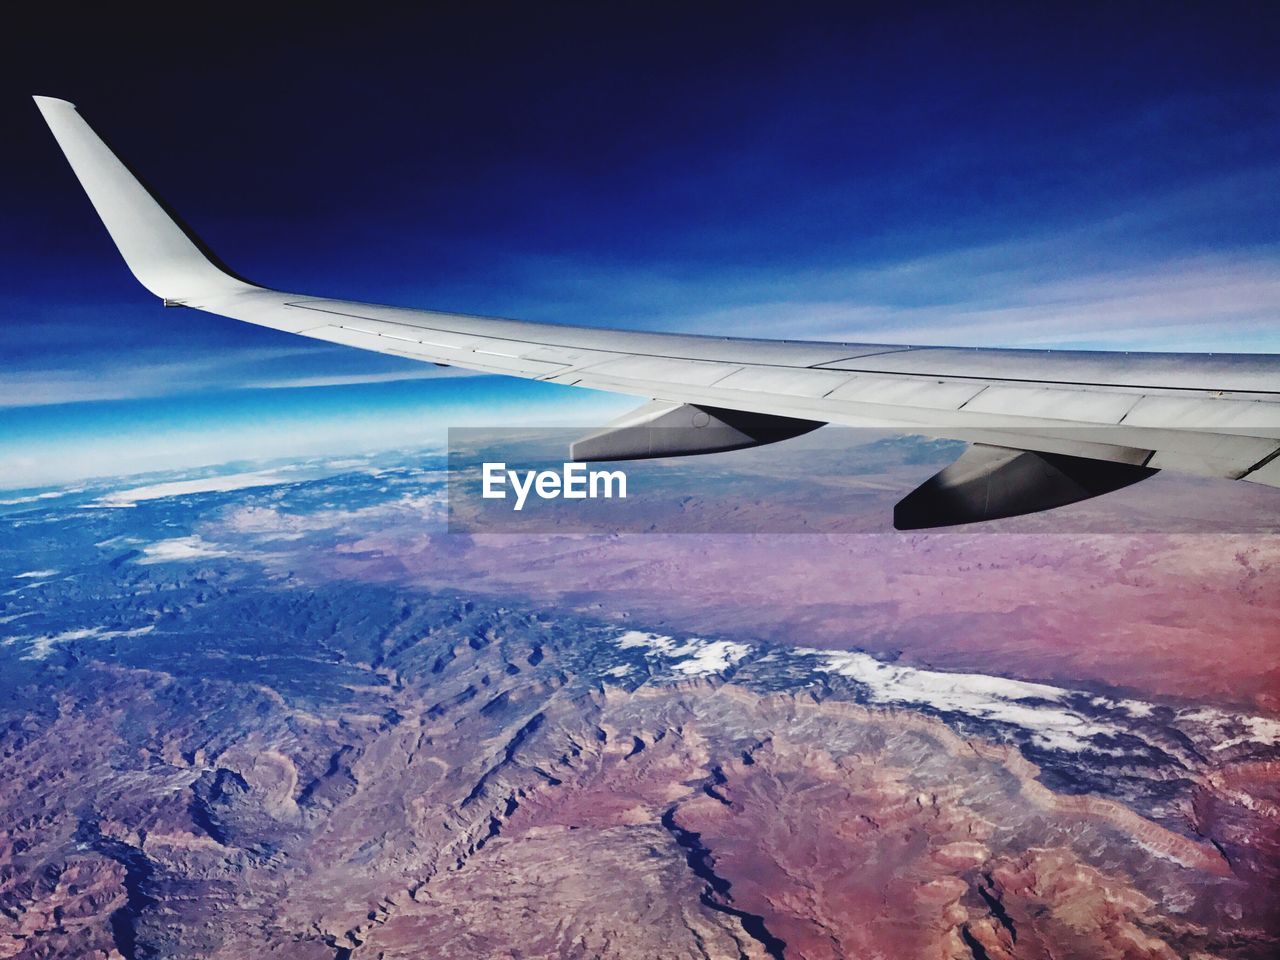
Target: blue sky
(1105,177)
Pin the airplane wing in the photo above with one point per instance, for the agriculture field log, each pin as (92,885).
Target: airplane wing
(1047,427)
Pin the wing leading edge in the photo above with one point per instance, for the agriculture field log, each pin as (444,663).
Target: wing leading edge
(1208,414)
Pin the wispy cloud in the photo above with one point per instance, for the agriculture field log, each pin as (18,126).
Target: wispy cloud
(1204,304)
(294,383)
(1035,292)
(133,377)
(1154,272)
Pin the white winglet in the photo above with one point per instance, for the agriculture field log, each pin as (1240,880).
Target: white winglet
(165,257)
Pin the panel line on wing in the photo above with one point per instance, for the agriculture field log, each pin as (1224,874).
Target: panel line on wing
(392,336)
(1263,462)
(826,364)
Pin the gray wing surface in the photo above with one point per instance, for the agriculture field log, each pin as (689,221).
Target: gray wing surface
(1215,415)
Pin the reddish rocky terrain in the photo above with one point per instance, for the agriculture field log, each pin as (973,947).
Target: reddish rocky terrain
(1141,612)
(279,724)
(478,795)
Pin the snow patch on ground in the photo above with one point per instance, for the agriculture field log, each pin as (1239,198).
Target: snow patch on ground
(275,524)
(41,647)
(29,585)
(710,656)
(694,657)
(179,488)
(37,497)
(635,638)
(1235,730)
(179,548)
(1035,707)
(1053,718)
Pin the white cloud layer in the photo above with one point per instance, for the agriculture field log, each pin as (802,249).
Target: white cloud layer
(179,488)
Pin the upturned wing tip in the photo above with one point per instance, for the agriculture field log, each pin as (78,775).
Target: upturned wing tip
(45,103)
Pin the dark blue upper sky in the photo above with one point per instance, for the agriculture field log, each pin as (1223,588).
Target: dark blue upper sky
(1103,176)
